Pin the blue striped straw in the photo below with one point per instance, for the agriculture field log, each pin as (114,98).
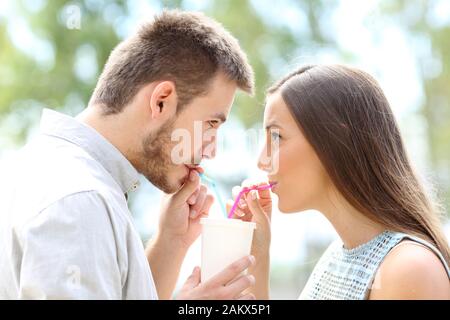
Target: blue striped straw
(213,185)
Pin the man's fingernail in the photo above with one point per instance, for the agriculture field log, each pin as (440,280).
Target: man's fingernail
(253,195)
(193,213)
(252,259)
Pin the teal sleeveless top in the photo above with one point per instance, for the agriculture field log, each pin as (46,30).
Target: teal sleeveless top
(349,273)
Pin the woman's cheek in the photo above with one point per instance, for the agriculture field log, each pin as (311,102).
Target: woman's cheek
(290,160)
(288,165)
(297,177)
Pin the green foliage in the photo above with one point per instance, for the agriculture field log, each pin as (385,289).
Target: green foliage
(415,17)
(27,83)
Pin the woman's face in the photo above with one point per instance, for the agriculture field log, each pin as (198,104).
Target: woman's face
(300,177)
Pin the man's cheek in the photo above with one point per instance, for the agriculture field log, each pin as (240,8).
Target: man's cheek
(210,144)
(182,147)
(209,151)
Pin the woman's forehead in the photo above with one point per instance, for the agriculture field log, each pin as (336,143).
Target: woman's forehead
(275,110)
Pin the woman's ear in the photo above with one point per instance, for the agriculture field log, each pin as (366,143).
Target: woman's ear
(163,100)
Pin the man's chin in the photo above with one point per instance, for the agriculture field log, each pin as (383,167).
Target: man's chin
(169,190)
(169,187)
(173,188)
(170,182)
(165,186)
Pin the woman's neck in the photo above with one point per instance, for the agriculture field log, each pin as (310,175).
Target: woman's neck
(352,226)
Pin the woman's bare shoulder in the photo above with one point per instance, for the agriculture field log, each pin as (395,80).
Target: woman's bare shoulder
(411,271)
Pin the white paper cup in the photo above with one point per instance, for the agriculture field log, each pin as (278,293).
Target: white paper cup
(223,242)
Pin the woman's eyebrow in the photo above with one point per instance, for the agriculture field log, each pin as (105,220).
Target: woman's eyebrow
(272,124)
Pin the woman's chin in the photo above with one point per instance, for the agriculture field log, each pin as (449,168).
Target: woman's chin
(285,209)
(290,208)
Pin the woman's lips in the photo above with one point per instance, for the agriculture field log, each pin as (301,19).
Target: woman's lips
(274,184)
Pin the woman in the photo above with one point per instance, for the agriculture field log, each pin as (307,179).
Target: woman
(340,152)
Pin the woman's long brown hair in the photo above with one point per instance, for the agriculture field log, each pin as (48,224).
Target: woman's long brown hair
(346,117)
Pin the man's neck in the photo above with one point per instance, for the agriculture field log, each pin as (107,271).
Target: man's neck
(112,128)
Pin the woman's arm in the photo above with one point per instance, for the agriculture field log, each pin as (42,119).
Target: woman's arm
(411,271)
(260,271)
(257,207)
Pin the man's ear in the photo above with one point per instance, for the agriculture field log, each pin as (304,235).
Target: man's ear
(163,100)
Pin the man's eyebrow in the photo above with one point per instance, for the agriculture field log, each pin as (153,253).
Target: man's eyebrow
(220,116)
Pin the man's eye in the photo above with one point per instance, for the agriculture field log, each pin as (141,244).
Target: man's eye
(212,123)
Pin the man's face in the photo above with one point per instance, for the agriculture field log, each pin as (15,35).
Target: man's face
(190,136)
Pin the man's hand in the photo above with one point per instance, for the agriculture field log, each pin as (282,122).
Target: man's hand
(226,285)
(181,212)
(179,227)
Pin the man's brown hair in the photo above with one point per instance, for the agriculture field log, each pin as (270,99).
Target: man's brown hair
(187,48)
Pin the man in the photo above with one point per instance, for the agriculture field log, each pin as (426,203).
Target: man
(66,231)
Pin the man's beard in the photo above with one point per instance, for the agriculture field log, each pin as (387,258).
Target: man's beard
(155,158)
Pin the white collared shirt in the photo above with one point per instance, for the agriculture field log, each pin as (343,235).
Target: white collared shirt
(66,231)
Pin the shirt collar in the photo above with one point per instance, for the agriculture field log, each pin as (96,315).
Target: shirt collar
(65,127)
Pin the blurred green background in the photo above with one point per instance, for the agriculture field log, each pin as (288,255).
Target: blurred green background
(51,53)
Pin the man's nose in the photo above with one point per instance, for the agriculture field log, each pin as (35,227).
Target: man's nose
(209,152)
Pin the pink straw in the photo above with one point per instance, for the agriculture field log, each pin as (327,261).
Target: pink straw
(245,190)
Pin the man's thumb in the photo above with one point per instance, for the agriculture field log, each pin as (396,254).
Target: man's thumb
(189,186)
(193,280)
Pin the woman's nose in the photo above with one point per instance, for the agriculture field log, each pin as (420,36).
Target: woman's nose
(264,161)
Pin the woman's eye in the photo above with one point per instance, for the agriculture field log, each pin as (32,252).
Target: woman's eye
(275,135)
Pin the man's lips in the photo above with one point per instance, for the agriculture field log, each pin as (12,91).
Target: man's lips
(190,168)
(194,167)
